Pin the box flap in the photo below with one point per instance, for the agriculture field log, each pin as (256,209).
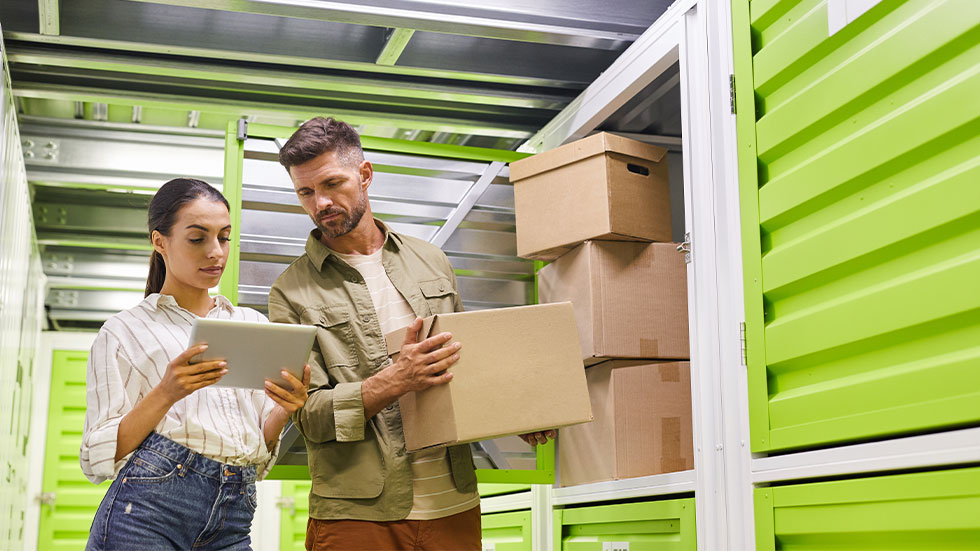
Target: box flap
(394,340)
(582,149)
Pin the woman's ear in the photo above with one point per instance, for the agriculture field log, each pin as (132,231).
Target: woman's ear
(159,243)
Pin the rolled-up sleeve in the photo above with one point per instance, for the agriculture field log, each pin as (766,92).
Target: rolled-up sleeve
(106,404)
(332,411)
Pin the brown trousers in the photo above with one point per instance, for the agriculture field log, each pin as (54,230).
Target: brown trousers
(459,532)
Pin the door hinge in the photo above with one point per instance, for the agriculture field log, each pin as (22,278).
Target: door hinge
(685,248)
(242,133)
(741,341)
(731,91)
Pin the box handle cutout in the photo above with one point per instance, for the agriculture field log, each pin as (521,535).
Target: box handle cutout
(638,169)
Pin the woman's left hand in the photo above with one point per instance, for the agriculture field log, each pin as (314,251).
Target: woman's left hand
(293,399)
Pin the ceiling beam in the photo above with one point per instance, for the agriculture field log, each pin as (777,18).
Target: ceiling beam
(467,20)
(237,108)
(216,72)
(49,19)
(395,42)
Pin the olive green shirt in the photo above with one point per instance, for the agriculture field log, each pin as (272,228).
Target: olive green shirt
(359,467)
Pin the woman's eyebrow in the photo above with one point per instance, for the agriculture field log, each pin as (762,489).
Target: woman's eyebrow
(202,228)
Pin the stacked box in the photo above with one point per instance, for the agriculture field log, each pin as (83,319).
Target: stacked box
(599,209)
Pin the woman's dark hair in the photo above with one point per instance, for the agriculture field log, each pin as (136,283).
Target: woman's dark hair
(164,206)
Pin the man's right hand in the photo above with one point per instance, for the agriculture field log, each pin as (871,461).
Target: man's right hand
(420,365)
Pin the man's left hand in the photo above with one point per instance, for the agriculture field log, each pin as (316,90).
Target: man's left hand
(535,438)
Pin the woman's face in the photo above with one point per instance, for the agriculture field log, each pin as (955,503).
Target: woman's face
(197,248)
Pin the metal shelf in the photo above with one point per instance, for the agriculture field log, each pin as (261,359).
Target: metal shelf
(929,450)
(507,502)
(646,486)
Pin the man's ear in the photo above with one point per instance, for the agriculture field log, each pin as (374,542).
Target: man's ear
(159,243)
(366,170)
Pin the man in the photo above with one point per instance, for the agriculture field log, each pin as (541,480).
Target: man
(358,281)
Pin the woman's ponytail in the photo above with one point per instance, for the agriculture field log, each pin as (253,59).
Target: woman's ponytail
(157,275)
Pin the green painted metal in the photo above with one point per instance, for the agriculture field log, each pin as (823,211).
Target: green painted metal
(65,524)
(292,524)
(289,472)
(114,245)
(930,510)
(859,155)
(654,525)
(507,531)
(232,190)
(409,147)
(487,490)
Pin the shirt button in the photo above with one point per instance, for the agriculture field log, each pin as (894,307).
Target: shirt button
(365,318)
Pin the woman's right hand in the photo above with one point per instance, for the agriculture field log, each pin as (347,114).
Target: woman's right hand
(183,377)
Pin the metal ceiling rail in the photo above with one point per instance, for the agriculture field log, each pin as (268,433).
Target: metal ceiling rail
(186,70)
(236,108)
(468,20)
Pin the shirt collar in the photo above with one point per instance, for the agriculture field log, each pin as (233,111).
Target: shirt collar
(156,300)
(318,252)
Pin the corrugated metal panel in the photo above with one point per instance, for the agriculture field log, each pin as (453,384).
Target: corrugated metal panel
(414,195)
(860,157)
(65,522)
(934,510)
(661,525)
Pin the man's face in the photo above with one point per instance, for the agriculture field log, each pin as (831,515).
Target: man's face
(333,191)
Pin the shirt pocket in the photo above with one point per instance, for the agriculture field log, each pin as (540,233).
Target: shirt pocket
(439,294)
(334,334)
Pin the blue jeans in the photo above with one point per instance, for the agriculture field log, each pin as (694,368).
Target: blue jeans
(168,497)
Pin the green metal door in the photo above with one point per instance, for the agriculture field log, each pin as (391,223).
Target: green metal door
(72,499)
(649,526)
(295,504)
(507,531)
(859,159)
(933,510)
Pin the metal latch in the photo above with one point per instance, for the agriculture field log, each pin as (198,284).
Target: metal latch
(685,248)
(287,503)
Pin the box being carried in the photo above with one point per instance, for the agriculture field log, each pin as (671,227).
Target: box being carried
(602,187)
(519,370)
(630,299)
(642,424)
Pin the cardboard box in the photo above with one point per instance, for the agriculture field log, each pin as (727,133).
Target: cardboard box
(642,424)
(602,187)
(630,299)
(520,370)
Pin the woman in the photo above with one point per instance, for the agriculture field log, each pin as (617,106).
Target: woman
(184,457)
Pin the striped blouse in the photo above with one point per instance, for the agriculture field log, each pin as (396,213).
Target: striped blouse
(129,357)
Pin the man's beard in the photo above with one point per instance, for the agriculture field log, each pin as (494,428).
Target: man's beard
(345,223)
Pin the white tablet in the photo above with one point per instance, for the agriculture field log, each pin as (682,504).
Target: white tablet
(254,351)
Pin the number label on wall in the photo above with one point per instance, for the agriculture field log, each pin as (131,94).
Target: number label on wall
(615,546)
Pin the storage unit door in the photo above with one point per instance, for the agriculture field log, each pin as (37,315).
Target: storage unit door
(931,510)
(650,526)
(859,157)
(67,513)
(295,505)
(507,531)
